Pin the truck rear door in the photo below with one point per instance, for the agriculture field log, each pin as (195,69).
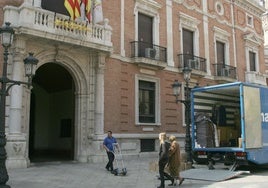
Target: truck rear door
(252,118)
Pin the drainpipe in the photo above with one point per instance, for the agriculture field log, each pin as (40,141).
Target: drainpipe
(234,38)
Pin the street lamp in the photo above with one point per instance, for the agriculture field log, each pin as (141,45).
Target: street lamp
(7,34)
(187,102)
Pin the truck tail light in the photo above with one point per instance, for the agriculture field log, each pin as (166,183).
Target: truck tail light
(240,154)
(201,153)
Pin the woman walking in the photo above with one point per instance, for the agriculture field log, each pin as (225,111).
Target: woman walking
(174,160)
(163,159)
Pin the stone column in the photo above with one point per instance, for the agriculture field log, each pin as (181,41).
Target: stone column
(16,140)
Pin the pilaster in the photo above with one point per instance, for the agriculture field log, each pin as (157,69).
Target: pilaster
(96,153)
(169,33)
(99,103)
(17,74)
(16,140)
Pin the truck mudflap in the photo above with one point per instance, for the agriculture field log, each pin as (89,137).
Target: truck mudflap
(215,175)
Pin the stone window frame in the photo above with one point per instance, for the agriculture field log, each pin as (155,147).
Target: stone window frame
(190,23)
(252,44)
(255,61)
(157,98)
(150,8)
(222,36)
(256,51)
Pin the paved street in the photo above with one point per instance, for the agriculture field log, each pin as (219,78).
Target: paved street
(139,175)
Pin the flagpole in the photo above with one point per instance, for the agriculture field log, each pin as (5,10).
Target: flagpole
(83,11)
(92,12)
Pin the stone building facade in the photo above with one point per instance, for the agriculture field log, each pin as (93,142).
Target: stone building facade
(117,75)
(265,30)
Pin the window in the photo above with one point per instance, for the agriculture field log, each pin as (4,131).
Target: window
(252,45)
(219,8)
(220,52)
(188,46)
(147,145)
(222,46)
(145,28)
(146,15)
(188,41)
(252,61)
(54,6)
(250,20)
(220,64)
(66,128)
(145,34)
(190,36)
(147,100)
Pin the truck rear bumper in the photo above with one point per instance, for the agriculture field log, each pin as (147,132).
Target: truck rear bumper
(228,158)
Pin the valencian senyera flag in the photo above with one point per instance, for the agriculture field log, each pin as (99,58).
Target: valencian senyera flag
(87,5)
(73,7)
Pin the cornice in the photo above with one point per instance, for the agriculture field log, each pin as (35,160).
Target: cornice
(188,19)
(253,39)
(184,3)
(150,3)
(251,6)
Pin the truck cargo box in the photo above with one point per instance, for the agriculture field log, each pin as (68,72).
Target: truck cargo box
(230,121)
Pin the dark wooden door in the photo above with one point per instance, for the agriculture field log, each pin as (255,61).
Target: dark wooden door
(188,46)
(145,33)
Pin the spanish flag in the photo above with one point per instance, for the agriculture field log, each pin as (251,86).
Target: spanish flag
(73,7)
(87,4)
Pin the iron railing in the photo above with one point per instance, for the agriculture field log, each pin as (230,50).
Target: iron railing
(224,70)
(193,62)
(148,50)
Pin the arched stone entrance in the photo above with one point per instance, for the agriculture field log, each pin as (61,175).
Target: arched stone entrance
(51,135)
(84,106)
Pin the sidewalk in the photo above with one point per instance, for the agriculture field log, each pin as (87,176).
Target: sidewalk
(81,175)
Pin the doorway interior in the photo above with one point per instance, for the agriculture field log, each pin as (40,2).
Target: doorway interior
(52,115)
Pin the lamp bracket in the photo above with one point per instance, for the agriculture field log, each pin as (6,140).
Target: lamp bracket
(13,82)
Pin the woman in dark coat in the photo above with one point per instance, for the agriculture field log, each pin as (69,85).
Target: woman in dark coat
(163,159)
(174,160)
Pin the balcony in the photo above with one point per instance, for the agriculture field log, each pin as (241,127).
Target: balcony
(40,23)
(149,55)
(255,77)
(224,72)
(197,64)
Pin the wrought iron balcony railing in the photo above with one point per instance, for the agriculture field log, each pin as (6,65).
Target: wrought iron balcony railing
(224,71)
(193,62)
(148,50)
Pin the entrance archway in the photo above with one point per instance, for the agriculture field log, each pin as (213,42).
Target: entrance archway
(52,115)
